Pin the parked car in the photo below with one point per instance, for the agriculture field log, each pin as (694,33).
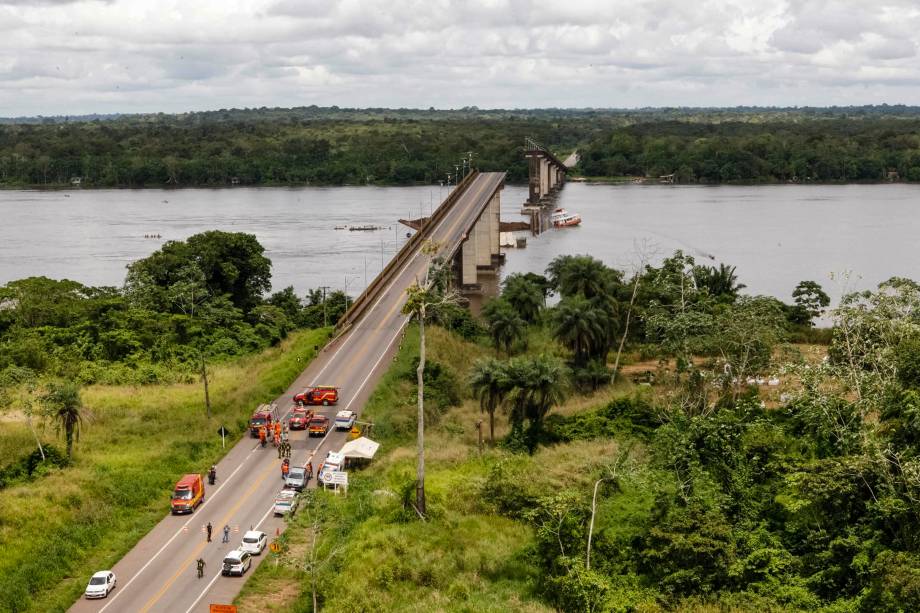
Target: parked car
(321,394)
(236,563)
(100,584)
(319,426)
(344,420)
(296,478)
(188,494)
(286,502)
(254,542)
(300,417)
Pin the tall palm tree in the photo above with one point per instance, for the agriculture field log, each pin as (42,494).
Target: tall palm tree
(489,382)
(581,326)
(582,274)
(524,295)
(506,327)
(534,386)
(65,408)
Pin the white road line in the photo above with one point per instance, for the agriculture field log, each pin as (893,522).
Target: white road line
(195,515)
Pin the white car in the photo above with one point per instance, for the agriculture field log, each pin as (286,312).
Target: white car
(286,502)
(344,420)
(254,542)
(100,584)
(236,563)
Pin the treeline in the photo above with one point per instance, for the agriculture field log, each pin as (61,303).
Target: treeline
(175,152)
(338,146)
(191,302)
(776,151)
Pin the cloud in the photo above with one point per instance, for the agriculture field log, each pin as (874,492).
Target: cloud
(79,56)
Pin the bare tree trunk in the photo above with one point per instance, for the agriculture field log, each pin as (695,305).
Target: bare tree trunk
(632,300)
(591,524)
(492,427)
(35,434)
(204,378)
(420,376)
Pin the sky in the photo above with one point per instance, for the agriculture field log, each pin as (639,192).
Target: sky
(69,57)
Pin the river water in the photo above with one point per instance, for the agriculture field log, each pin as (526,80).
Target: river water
(775,235)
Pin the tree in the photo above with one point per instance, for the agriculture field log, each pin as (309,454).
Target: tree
(62,404)
(745,334)
(232,264)
(810,301)
(582,274)
(721,282)
(489,382)
(525,296)
(580,325)
(188,294)
(506,327)
(18,391)
(421,298)
(535,385)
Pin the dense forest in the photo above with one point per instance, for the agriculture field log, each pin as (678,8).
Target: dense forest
(193,301)
(335,146)
(777,151)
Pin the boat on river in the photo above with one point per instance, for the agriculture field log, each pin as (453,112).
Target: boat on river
(561,218)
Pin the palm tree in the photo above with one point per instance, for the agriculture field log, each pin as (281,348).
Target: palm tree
(581,326)
(582,274)
(489,382)
(63,405)
(505,325)
(721,281)
(534,386)
(524,295)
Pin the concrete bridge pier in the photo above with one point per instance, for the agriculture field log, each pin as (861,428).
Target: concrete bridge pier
(480,254)
(547,173)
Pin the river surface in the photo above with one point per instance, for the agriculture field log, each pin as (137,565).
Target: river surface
(775,235)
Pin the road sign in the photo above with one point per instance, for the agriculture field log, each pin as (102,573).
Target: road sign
(222,608)
(275,547)
(335,477)
(223,432)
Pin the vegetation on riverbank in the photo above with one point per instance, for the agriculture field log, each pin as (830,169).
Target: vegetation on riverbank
(86,513)
(726,469)
(332,146)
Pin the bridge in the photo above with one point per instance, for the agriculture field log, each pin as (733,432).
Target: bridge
(159,573)
(547,172)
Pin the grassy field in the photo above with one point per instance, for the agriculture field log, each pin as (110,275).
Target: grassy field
(371,554)
(57,529)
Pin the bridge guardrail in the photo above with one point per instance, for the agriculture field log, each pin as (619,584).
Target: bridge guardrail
(366,298)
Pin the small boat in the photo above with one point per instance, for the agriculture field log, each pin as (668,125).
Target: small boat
(341,227)
(562,218)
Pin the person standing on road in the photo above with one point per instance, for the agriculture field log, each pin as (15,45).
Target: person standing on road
(200,568)
(226,533)
(209,528)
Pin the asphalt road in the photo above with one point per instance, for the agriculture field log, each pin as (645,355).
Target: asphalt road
(159,573)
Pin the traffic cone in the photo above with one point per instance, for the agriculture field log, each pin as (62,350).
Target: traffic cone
(277,531)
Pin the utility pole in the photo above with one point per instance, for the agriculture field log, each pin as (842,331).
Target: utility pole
(325,316)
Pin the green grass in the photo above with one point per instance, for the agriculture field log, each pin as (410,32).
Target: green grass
(55,531)
(467,557)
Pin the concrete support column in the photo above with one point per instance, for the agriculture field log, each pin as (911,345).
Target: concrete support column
(552,177)
(482,231)
(544,177)
(468,261)
(494,214)
(534,167)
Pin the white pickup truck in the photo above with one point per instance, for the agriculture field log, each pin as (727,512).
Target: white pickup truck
(344,420)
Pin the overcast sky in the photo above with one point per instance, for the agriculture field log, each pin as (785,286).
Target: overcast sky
(97,56)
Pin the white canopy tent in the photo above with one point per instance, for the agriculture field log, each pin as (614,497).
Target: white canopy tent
(362,447)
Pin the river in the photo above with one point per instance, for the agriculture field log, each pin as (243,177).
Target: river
(775,235)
